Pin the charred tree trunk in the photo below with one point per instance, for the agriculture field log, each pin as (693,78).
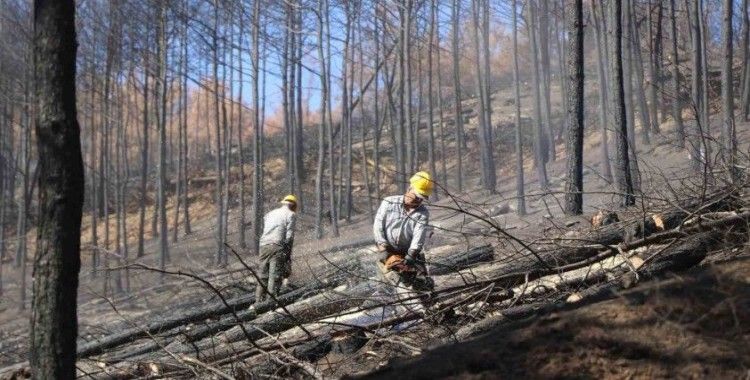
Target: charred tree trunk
(144,158)
(540,140)
(745,100)
(162,173)
(520,193)
(574,146)
(322,128)
(602,82)
(619,119)
(677,95)
(695,147)
(729,139)
(457,107)
(53,323)
(647,115)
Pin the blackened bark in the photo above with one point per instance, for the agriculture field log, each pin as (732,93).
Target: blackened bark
(602,82)
(622,164)
(647,115)
(545,83)
(144,159)
(677,93)
(61,187)
(322,128)
(456,10)
(729,141)
(745,100)
(540,141)
(695,144)
(520,196)
(574,146)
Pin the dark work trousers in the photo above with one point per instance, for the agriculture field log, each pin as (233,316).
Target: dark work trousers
(271,268)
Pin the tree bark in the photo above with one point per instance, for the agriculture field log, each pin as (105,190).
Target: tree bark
(543,42)
(162,170)
(619,119)
(677,96)
(520,193)
(61,187)
(745,100)
(574,146)
(457,106)
(322,129)
(540,140)
(729,139)
(696,138)
(144,158)
(598,17)
(485,150)
(649,120)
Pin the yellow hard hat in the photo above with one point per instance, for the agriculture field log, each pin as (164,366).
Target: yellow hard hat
(289,199)
(422,184)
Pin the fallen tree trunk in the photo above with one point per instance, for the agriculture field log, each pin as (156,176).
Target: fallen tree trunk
(454,263)
(680,256)
(527,267)
(99,345)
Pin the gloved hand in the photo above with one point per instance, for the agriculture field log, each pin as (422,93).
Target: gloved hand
(410,261)
(414,264)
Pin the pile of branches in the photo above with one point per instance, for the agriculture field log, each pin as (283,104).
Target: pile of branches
(345,305)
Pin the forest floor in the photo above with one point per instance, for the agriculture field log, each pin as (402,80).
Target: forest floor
(694,325)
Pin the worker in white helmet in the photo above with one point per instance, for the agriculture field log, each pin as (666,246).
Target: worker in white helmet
(276,248)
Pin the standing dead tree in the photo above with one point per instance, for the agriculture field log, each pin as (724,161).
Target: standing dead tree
(54,325)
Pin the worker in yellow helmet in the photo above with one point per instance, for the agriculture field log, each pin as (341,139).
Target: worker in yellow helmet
(400,228)
(276,243)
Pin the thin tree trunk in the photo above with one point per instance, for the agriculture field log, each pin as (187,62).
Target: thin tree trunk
(602,82)
(377,129)
(652,63)
(220,249)
(443,151)
(745,100)
(658,82)
(540,141)
(628,70)
(695,146)
(299,146)
(185,151)
(258,129)
(677,96)
(226,131)
(619,118)
(162,181)
(410,138)
(457,106)
(648,120)
(331,182)
(487,175)
(574,146)
(520,193)
(729,141)
(430,92)
(92,180)
(144,158)
(241,145)
(543,42)
(322,128)
(362,115)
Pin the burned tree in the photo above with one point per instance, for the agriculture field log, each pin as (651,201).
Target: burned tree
(574,146)
(54,324)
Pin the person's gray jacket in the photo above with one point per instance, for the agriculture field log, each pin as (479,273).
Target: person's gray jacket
(278,228)
(404,232)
